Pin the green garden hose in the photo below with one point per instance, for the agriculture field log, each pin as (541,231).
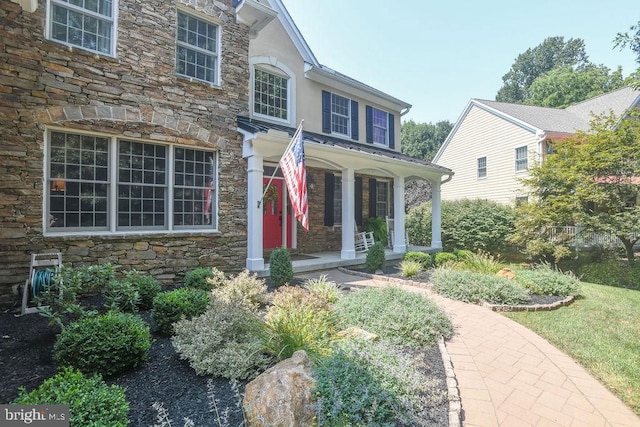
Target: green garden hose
(41,281)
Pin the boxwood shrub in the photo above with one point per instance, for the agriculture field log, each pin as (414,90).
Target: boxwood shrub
(280,267)
(147,286)
(375,257)
(91,401)
(106,344)
(183,303)
(423,258)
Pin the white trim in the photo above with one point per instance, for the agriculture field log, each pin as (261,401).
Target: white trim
(478,177)
(212,20)
(349,116)
(515,159)
(113,19)
(291,88)
(387,129)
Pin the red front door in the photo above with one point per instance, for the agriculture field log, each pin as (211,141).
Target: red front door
(272,217)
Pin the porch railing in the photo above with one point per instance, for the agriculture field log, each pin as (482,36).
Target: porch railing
(576,236)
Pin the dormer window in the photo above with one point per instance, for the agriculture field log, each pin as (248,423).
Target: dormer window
(89,25)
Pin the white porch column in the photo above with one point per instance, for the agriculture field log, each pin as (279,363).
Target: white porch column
(436,216)
(348,215)
(399,243)
(255,256)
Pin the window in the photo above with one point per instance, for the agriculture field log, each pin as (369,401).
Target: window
(157,187)
(482,167)
(380,127)
(520,200)
(197,48)
(337,200)
(88,24)
(382,198)
(521,159)
(340,114)
(270,93)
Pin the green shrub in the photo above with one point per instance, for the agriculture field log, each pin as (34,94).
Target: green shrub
(473,287)
(545,280)
(354,379)
(121,295)
(183,303)
(106,344)
(299,320)
(205,278)
(378,226)
(148,287)
(441,258)
(611,272)
(245,288)
(375,257)
(474,224)
(463,254)
(423,258)
(409,268)
(481,262)
(280,267)
(396,315)
(226,341)
(323,288)
(91,401)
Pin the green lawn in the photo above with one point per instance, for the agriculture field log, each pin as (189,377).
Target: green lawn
(601,331)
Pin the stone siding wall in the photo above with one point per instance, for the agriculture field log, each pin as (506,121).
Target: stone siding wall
(44,84)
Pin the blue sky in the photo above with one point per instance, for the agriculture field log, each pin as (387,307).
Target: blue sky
(438,55)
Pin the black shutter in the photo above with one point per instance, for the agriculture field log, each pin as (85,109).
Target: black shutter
(369,112)
(326,111)
(354,121)
(358,201)
(392,131)
(329,182)
(373,197)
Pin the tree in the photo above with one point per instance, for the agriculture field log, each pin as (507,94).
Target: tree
(632,41)
(564,86)
(593,180)
(553,52)
(422,140)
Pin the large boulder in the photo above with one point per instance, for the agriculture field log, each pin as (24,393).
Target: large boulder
(282,395)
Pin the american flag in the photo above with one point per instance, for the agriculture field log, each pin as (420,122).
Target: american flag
(295,175)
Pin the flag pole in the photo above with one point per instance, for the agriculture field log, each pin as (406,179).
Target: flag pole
(295,135)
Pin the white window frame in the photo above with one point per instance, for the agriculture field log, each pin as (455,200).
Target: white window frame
(386,203)
(112,227)
(336,114)
(337,200)
(112,20)
(374,126)
(481,171)
(521,164)
(216,55)
(287,86)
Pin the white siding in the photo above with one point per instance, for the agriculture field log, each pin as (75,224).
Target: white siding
(482,134)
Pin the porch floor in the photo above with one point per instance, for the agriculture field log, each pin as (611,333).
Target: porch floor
(327,260)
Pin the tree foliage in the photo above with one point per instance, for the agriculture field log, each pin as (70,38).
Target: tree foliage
(422,140)
(565,85)
(592,179)
(631,41)
(553,52)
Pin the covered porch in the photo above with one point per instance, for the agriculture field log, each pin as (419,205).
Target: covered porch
(355,167)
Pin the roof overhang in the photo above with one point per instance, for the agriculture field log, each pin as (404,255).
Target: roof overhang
(27,5)
(272,144)
(330,78)
(254,14)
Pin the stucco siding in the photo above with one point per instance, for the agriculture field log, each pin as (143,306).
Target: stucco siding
(483,134)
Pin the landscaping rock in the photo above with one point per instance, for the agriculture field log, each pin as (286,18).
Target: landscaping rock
(282,395)
(355,332)
(507,273)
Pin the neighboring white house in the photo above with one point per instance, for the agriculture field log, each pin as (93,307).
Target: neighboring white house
(493,143)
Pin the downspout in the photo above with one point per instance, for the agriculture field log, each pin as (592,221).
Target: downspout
(449,177)
(405,111)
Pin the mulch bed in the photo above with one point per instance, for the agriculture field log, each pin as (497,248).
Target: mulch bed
(26,344)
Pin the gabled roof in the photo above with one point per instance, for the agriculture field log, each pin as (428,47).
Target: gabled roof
(316,71)
(544,121)
(258,126)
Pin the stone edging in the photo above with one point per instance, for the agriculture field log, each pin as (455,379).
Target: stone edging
(537,307)
(453,393)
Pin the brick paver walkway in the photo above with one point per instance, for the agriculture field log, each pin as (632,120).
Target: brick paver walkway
(510,376)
